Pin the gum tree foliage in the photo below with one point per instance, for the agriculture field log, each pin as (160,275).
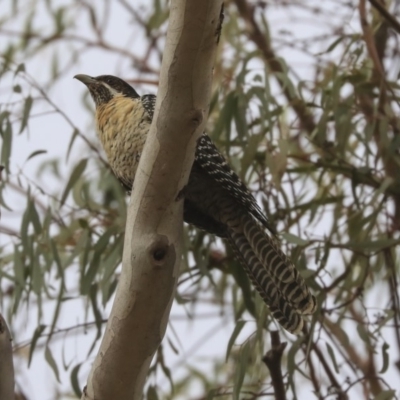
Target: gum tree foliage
(304,107)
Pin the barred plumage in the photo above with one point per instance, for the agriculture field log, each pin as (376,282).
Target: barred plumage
(215,198)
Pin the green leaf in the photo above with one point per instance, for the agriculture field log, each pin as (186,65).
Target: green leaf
(240,370)
(55,65)
(75,381)
(363,333)
(61,288)
(225,117)
(36,153)
(239,115)
(19,272)
(213,101)
(165,369)
(95,308)
(64,353)
(96,312)
(50,360)
(34,217)
(56,256)
(334,44)
(84,255)
(6,144)
(252,146)
(20,68)
(386,395)
(243,282)
(59,19)
(25,224)
(385,358)
(75,175)
(71,142)
(238,328)
(151,393)
(382,189)
(36,335)
(289,237)
(109,264)
(37,276)
(333,358)
(173,347)
(98,251)
(88,278)
(26,112)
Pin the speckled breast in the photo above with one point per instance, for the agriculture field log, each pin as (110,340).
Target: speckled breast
(122,125)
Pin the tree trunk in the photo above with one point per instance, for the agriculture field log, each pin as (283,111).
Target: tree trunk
(153,239)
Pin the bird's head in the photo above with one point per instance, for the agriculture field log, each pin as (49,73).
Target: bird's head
(103,88)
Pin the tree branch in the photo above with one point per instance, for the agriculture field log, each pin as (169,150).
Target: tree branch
(273,361)
(6,363)
(152,250)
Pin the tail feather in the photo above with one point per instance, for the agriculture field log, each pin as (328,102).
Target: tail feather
(278,267)
(280,309)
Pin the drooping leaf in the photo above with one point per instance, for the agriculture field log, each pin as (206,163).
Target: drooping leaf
(240,370)
(238,328)
(26,113)
(76,387)
(6,134)
(75,175)
(36,335)
(36,153)
(48,355)
(333,358)
(385,358)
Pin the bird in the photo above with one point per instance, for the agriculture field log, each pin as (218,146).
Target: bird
(215,199)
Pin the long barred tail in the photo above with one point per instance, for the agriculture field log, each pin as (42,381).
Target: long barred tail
(280,309)
(280,268)
(274,276)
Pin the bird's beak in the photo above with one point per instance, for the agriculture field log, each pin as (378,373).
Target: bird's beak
(86,79)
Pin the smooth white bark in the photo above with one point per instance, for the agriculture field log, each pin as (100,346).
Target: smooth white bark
(152,251)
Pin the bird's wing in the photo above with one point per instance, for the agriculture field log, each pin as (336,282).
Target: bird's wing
(149,103)
(214,164)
